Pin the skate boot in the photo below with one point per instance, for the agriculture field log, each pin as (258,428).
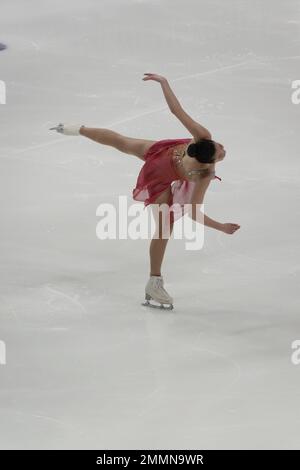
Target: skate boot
(67,129)
(155,291)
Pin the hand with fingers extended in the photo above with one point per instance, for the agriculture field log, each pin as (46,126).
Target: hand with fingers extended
(155,77)
(230,228)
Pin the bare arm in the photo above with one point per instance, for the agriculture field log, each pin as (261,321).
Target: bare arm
(196,202)
(196,214)
(207,221)
(192,126)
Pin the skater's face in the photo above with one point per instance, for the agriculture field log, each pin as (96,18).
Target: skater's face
(220,152)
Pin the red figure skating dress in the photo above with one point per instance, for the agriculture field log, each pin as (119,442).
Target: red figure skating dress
(159,172)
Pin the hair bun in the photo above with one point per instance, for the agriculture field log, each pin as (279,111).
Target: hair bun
(192,150)
(203,150)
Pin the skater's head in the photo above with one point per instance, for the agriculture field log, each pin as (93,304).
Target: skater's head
(206,151)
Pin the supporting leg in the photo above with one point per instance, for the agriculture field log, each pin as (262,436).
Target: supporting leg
(157,252)
(159,243)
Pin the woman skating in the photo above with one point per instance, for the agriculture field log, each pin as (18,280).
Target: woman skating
(175,172)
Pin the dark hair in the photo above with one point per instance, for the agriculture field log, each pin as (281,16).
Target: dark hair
(203,150)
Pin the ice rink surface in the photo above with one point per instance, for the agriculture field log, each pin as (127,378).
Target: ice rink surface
(86,365)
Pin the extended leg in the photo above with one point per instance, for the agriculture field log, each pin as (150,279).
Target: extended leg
(103,136)
(129,145)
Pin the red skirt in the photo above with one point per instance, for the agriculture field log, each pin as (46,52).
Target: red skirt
(158,173)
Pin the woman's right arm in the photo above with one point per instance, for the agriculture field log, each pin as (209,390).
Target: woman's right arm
(207,221)
(197,201)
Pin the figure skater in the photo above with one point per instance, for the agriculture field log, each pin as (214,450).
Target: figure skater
(175,171)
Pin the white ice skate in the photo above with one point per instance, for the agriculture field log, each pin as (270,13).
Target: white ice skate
(155,291)
(67,129)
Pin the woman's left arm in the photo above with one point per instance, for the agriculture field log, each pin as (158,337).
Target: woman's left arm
(197,131)
(171,99)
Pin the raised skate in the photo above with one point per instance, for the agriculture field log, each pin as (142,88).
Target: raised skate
(156,296)
(67,129)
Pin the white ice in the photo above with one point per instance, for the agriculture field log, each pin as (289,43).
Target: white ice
(86,365)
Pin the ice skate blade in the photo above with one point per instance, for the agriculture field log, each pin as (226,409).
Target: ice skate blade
(58,128)
(162,306)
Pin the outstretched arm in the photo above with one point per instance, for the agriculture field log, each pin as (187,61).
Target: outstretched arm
(227,227)
(196,202)
(198,216)
(197,131)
